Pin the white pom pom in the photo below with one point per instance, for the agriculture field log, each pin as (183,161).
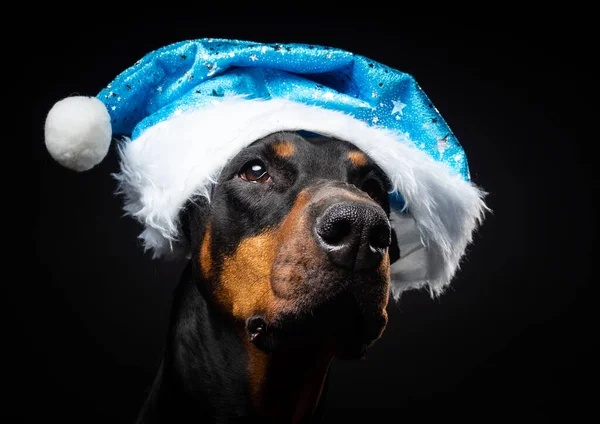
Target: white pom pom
(78,132)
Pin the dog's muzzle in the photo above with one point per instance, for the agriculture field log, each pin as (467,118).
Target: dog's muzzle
(330,275)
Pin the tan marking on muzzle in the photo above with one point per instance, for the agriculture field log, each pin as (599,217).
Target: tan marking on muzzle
(244,287)
(245,283)
(297,251)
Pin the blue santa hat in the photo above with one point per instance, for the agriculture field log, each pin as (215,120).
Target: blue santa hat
(184,110)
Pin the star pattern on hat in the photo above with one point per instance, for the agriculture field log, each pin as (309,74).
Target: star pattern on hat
(442,144)
(398,106)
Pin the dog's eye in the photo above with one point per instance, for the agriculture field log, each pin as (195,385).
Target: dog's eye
(255,172)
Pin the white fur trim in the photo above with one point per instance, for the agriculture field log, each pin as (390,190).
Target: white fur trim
(78,132)
(181,157)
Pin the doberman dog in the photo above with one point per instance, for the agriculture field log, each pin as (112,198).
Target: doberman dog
(289,270)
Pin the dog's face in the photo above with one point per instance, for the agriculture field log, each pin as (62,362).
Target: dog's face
(295,245)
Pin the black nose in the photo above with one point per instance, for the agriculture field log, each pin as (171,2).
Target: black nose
(354,234)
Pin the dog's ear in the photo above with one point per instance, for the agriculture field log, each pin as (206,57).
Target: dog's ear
(193,219)
(394,248)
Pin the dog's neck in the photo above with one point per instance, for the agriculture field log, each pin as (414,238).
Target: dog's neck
(211,369)
(287,384)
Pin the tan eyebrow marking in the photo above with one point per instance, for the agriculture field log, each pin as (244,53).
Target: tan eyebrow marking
(284,149)
(357,158)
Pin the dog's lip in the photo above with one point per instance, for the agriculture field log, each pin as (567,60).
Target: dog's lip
(340,318)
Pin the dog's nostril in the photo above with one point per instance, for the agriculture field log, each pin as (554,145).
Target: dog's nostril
(380,236)
(335,232)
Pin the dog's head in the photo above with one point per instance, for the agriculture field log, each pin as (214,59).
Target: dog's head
(295,243)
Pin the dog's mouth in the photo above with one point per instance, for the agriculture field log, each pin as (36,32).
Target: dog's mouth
(345,325)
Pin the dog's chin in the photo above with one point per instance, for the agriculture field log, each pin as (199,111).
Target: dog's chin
(359,327)
(346,326)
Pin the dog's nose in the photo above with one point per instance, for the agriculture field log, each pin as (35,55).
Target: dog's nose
(354,234)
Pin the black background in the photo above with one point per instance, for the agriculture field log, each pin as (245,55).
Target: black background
(512,336)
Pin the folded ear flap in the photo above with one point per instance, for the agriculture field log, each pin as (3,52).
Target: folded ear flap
(192,220)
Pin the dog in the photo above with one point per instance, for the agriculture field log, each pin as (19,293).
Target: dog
(293,238)
(289,270)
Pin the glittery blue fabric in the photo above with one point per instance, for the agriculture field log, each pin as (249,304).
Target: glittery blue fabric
(188,74)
